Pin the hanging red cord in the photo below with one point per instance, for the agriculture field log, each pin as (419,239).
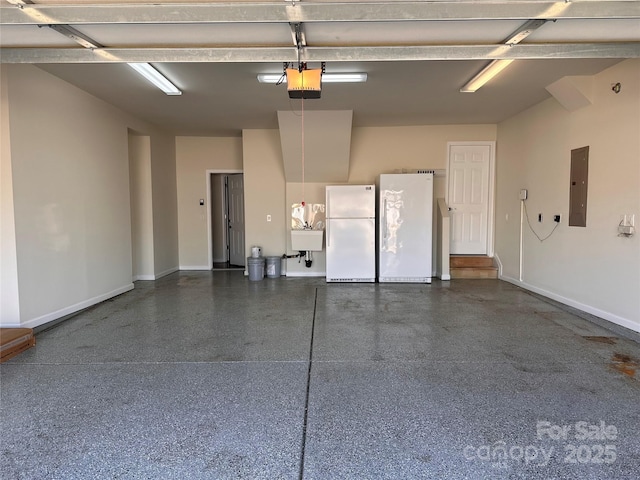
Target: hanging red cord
(302,116)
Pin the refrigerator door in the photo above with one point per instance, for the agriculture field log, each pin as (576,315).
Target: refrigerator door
(351,255)
(351,201)
(405,233)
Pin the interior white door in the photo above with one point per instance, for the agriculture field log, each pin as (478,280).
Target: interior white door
(468,198)
(235,195)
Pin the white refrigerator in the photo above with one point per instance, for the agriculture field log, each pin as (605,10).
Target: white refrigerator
(405,227)
(350,233)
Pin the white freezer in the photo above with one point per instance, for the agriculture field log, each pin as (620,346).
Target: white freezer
(405,228)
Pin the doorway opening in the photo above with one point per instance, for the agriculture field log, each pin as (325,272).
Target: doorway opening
(226,220)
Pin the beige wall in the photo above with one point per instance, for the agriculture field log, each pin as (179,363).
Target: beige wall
(194,157)
(373,151)
(376,150)
(165,205)
(590,268)
(258,154)
(9,293)
(264,191)
(71,194)
(70,165)
(141,207)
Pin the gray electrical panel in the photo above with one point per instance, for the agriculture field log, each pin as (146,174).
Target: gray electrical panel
(578,187)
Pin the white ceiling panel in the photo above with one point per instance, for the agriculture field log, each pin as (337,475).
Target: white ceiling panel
(409,33)
(32,36)
(190,35)
(569,30)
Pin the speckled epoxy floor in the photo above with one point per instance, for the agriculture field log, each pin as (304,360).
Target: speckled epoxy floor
(207,375)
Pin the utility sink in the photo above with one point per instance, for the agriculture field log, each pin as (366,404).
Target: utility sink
(307,240)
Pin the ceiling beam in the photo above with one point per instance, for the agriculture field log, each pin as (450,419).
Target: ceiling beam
(295,12)
(321,54)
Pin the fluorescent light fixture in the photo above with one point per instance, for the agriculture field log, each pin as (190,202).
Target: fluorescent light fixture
(486,74)
(496,66)
(524,31)
(155,77)
(326,77)
(75,35)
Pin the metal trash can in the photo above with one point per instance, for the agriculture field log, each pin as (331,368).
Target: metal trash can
(255,266)
(273,267)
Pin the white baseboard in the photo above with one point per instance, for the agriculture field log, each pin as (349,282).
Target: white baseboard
(611,317)
(194,267)
(49,317)
(156,276)
(166,272)
(11,325)
(497,258)
(446,278)
(144,277)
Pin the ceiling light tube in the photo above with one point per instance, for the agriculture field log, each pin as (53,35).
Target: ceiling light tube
(486,74)
(496,66)
(326,77)
(155,77)
(270,77)
(344,77)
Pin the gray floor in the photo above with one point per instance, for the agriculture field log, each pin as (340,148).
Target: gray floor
(208,375)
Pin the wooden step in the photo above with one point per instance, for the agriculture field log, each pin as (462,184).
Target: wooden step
(14,341)
(474,272)
(472,266)
(466,261)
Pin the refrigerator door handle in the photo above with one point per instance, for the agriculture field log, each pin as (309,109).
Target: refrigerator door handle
(328,233)
(383,214)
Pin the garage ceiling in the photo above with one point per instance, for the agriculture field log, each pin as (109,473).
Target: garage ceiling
(417,55)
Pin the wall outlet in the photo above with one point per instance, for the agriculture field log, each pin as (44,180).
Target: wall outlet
(268,218)
(626,227)
(628,220)
(524,193)
(556,218)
